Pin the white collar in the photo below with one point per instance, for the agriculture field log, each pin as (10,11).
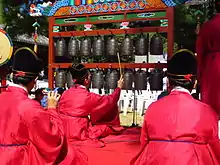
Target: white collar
(82,86)
(16,85)
(180,89)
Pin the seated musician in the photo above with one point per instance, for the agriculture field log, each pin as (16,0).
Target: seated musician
(29,134)
(77,104)
(178,129)
(163,94)
(39,95)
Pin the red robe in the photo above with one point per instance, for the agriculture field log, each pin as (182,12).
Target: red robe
(208,52)
(179,130)
(76,104)
(29,135)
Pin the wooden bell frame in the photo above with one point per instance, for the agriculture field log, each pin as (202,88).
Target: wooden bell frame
(54,21)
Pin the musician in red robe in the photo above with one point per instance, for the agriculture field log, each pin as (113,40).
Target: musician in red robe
(29,134)
(208,53)
(178,129)
(78,104)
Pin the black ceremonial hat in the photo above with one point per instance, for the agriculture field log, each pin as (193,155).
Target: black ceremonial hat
(79,71)
(26,63)
(182,65)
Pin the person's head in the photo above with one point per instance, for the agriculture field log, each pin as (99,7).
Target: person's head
(80,75)
(25,68)
(217,6)
(182,69)
(39,94)
(163,94)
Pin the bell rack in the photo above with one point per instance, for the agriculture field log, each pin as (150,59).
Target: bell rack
(109,17)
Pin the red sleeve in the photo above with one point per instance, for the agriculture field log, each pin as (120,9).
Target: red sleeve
(201,52)
(144,135)
(102,105)
(144,131)
(106,99)
(45,131)
(215,147)
(214,143)
(143,139)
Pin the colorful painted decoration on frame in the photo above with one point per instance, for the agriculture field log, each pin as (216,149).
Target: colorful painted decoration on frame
(72,7)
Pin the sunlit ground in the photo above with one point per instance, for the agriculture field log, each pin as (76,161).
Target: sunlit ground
(128,119)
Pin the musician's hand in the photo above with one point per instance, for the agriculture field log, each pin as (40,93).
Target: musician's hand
(52,99)
(121,82)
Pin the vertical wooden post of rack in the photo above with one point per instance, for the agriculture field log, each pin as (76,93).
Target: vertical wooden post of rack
(51,54)
(170,35)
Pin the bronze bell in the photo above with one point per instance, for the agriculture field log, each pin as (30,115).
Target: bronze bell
(85,47)
(156,45)
(141,45)
(112,78)
(128,80)
(111,46)
(73,47)
(60,78)
(140,80)
(98,46)
(156,80)
(98,79)
(69,79)
(61,47)
(126,48)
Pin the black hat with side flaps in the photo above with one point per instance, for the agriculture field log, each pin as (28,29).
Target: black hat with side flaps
(26,63)
(182,66)
(79,71)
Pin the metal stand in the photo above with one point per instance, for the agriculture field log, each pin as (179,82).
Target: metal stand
(134,124)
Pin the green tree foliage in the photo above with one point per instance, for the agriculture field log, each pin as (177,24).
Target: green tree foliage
(2,12)
(186,21)
(17,23)
(185,27)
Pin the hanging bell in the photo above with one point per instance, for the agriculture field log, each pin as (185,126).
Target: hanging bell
(69,79)
(128,80)
(112,78)
(127,47)
(140,80)
(111,46)
(141,45)
(156,80)
(156,45)
(73,47)
(98,79)
(85,47)
(60,78)
(98,46)
(61,47)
